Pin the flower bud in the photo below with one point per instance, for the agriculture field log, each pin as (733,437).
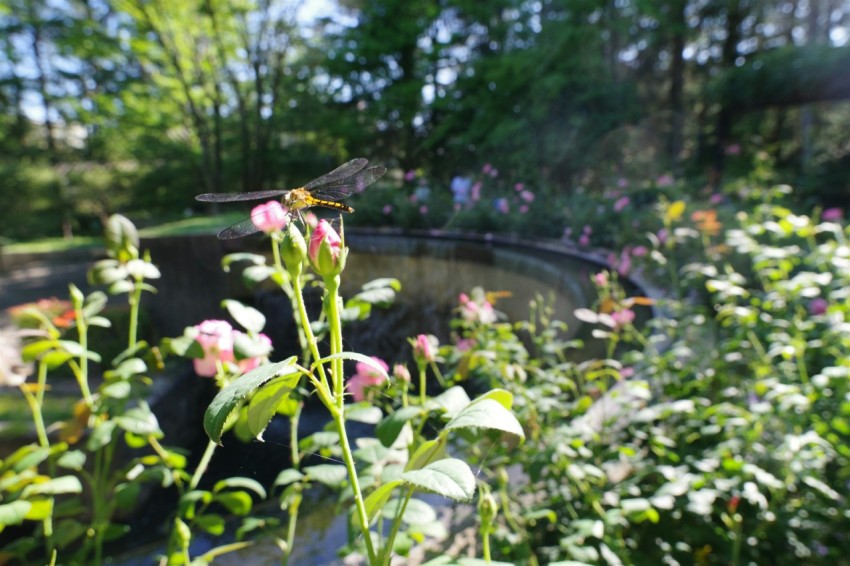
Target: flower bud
(326,252)
(293,250)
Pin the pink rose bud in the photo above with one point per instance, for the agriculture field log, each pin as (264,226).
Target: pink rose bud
(325,251)
(401,373)
(269,217)
(425,348)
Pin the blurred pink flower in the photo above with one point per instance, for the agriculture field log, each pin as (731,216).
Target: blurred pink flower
(623,317)
(832,214)
(568,231)
(269,217)
(519,187)
(311,219)
(423,210)
(732,149)
(502,205)
(587,229)
(494,173)
(216,339)
(662,235)
(627,372)
(639,251)
(366,377)
(527,196)
(410,175)
(818,306)
(665,180)
(621,203)
(465,344)
(487,168)
(413,199)
(401,373)
(716,198)
(476,192)
(473,311)
(622,183)
(601,279)
(425,348)
(523,209)
(388,208)
(584,240)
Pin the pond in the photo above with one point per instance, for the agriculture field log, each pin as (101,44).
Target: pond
(433,269)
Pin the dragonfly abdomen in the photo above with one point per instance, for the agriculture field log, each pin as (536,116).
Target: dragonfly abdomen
(301,198)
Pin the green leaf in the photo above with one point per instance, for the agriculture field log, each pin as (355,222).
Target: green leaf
(139,420)
(451,400)
(94,304)
(501,396)
(122,238)
(376,500)
(13,513)
(416,512)
(72,460)
(211,523)
(27,457)
(185,346)
(333,475)
(288,476)
(247,346)
(266,400)
(231,398)
(237,502)
(450,478)
(141,269)
(248,318)
(229,259)
(101,435)
(40,510)
(63,484)
(429,451)
(241,483)
(127,369)
(117,390)
(489,414)
(363,413)
(389,429)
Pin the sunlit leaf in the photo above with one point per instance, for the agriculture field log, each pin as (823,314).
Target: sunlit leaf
(450,478)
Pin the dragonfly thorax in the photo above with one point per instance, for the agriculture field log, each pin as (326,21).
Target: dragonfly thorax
(297,198)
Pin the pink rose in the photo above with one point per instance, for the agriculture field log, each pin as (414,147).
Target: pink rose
(623,317)
(216,339)
(269,217)
(366,377)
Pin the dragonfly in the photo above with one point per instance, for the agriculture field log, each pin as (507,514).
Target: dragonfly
(326,191)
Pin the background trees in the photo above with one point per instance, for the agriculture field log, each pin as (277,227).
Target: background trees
(137,105)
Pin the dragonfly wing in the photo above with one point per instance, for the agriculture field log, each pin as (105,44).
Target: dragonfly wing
(234,197)
(244,228)
(341,172)
(336,190)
